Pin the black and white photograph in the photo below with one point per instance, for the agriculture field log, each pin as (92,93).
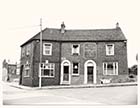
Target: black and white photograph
(69,53)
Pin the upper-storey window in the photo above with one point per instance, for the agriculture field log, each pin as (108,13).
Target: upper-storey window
(75,49)
(110,49)
(23,51)
(28,49)
(47,49)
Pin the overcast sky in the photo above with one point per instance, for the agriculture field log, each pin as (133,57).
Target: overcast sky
(19,20)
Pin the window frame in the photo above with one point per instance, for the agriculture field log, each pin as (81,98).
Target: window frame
(74,74)
(25,69)
(49,76)
(72,49)
(28,49)
(107,50)
(23,51)
(44,49)
(115,68)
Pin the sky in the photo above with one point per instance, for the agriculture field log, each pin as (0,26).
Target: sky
(19,21)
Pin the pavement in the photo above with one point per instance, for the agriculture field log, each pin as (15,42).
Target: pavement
(16,85)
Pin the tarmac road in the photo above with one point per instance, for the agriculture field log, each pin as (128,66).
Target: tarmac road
(125,95)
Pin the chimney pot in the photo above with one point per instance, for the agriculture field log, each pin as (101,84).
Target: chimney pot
(63,27)
(117,25)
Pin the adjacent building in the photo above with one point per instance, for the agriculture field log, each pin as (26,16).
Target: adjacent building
(74,57)
(10,71)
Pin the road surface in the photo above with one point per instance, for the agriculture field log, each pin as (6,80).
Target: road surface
(126,95)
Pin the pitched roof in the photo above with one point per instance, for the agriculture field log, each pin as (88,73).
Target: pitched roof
(80,35)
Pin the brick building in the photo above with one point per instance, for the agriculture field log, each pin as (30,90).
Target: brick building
(10,71)
(74,57)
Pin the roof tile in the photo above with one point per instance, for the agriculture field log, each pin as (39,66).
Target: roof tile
(80,35)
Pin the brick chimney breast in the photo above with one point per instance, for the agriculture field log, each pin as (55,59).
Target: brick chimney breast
(63,27)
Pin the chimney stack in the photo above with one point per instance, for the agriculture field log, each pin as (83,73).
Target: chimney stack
(117,25)
(63,27)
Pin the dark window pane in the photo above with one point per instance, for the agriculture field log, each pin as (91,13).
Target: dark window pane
(105,66)
(66,69)
(110,66)
(47,51)
(75,71)
(47,44)
(41,65)
(75,46)
(46,72)
(75,68)
(42,71)
(52,72)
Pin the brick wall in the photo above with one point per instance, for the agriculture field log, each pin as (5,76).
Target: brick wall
(120,56)
(54,58)
(66,53)
(99,57)
(27,80)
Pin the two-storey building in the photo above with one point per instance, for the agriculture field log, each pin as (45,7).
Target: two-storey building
(10,71)
(74,57)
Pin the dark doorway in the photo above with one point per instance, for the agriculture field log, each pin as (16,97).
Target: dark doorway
(66,73)
(90,74)
(21,72)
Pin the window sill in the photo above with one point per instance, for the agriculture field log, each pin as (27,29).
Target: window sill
(48,76)
(26,76)
(75,54)
(75,74)
(110,55)
(111,74)
(47,54)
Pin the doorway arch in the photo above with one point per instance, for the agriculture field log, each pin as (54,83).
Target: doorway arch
(65,72)
(90,72)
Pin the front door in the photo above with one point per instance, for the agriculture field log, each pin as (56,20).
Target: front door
(89,74)
(65,72)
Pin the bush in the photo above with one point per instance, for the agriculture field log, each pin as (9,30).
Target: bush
(133,70)
(130,78)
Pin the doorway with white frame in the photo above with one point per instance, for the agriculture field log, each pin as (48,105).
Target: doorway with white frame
(90,72)
(65,72)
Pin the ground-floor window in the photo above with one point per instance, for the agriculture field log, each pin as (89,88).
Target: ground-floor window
(75,68)
(48,70)
(110,68)
(27,69)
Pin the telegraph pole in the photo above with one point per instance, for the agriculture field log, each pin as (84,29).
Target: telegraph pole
(40,76)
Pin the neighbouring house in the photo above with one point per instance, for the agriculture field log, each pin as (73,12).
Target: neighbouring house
(10,71)
(74,57)
(4,71)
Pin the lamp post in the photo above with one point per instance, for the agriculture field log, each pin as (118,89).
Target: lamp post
(40,53)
